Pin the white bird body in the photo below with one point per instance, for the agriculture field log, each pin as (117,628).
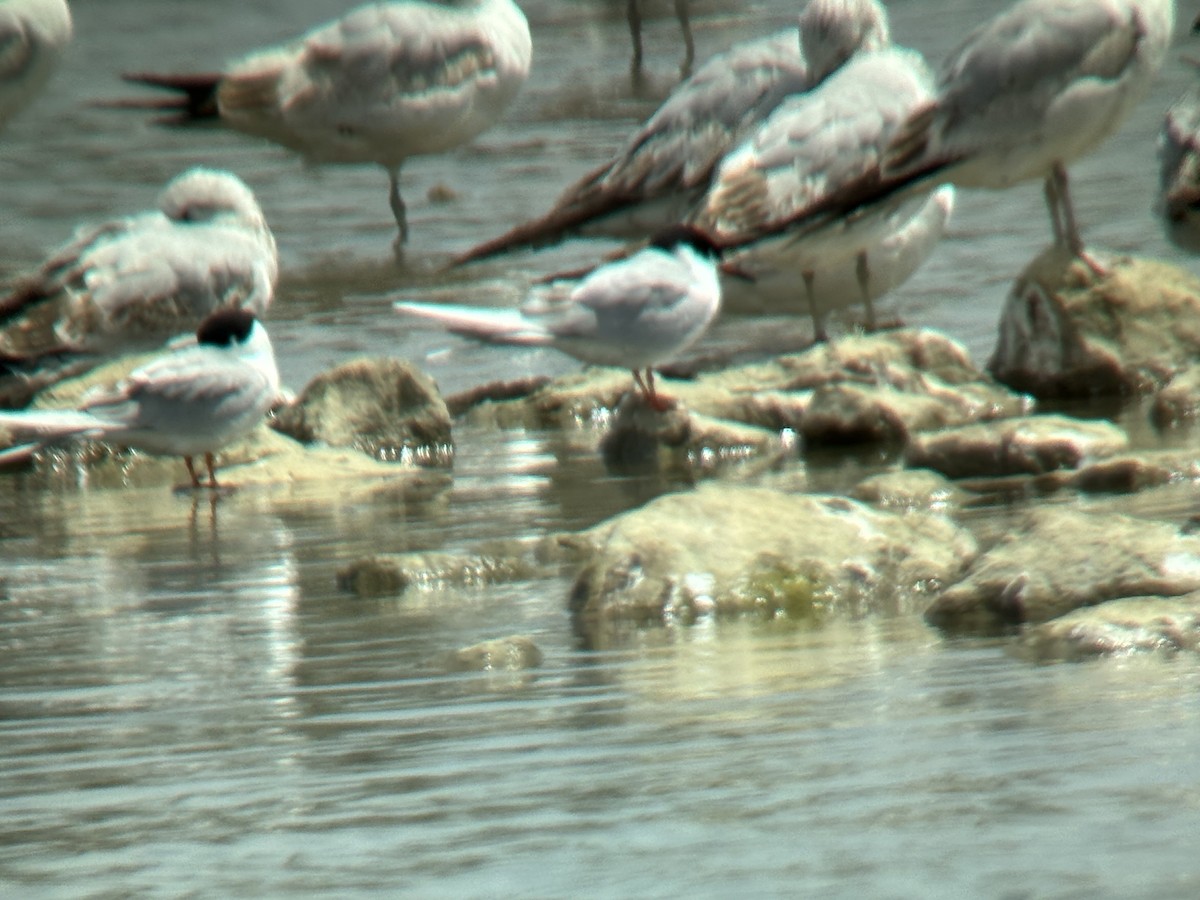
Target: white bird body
(664,168)
(1178,203)
(1031,91)
(385,82)
(131,283)
(809,149)
(1041,84)
(636,313)
(908,240)
(194,400)
(33,36)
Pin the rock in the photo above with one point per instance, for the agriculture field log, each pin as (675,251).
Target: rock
(879,387)
(863,388)
(1118,628)
(262,458)
(1065,333)
(579,399)
(909,489)
(1128,472)
(1029,445)
(727,549)
(508,654)
(1057,560)
(1179,400)
(386,408)
(389,574)
(640,439)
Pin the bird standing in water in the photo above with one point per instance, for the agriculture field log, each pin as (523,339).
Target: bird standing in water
(636,313)
(192,401)
(386,82)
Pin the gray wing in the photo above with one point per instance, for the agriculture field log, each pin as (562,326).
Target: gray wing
(386,81)
(617,295)
(188,386)
(673,155)
(682,142)
(137,288)
(814,145)
(1031,52)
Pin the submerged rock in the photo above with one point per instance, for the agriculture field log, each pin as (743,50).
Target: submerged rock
(385,575)
(262,458)
(514,653)
(1118,628)
(881,387)
(1179,399)
(386,408)
(725,549)
(909,489)
(1066,333)
(1057,560)
(1128,472)
(642,439)
(1029,445)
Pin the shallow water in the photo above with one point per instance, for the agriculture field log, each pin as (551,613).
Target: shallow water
(190,705)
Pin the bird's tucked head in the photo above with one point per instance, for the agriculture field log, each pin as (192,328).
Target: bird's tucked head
(226,327)
(202,195)
(832,31)
(686,236)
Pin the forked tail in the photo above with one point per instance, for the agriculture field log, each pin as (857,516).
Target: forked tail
(193,97)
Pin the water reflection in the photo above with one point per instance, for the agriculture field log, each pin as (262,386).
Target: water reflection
(188,703)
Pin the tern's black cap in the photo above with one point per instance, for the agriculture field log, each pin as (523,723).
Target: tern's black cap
(672,237)
(225,327)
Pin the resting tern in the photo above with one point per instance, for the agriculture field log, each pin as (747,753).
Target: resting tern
(635,313)
(131,283)
(664,168)
(386,82)
(33,36)
(194,400)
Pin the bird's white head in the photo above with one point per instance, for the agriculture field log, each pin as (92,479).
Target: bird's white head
(831,31)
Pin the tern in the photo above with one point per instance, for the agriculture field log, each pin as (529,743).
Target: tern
(635,313)
(192,401)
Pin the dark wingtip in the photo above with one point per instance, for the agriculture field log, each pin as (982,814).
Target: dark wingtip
(688,235)
(195,95)
(225,327)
